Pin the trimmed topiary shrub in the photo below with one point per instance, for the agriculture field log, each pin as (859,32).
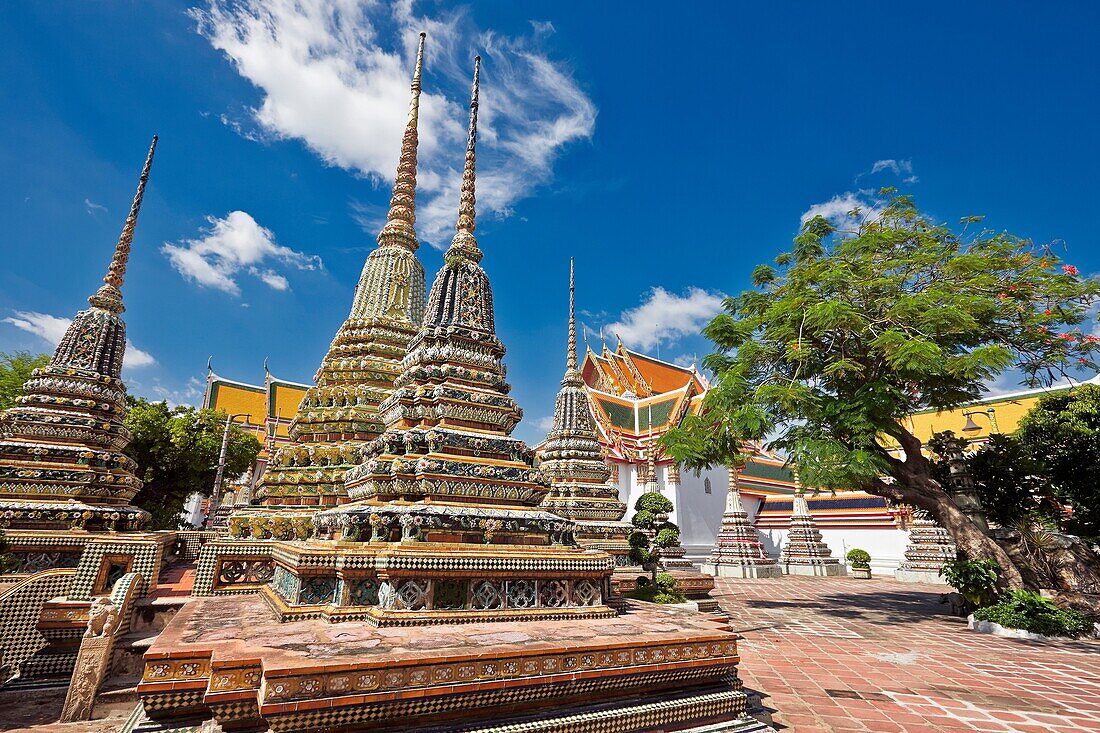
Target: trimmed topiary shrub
(642,518)
(1023,609)
(666,581)
(654,503)
(656,594)
(858,558)
(667,537)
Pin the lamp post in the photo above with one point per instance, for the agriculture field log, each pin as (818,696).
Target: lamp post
(973,427)
(215,500)
(962,488)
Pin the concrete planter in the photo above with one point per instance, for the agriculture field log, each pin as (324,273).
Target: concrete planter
(864,573)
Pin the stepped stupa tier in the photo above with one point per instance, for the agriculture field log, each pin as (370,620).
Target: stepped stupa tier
(573,462)
(341,411)
(738,551)
(62,464)
(805,552)
(930,546)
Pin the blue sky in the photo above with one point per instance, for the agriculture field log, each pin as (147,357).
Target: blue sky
(668,152)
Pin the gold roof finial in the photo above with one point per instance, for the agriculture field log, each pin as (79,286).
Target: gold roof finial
(464,240)
(400,222)
(109,295)
(571,355)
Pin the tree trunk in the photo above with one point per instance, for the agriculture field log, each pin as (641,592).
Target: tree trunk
(926,493)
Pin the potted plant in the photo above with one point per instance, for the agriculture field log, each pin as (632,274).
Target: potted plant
(860,562)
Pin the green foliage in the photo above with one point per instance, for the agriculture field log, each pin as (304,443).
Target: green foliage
(1063,433)
(642,519)
(977,580)
(656,594)
(639,555)
(654,503)
(1026,610)
(858,558)
(666,581)
(177,449)
(15,370)
(854,330)
(667,537)
(1014,487)
(638,539)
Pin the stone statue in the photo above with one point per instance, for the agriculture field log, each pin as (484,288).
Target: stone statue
(103,617)
(387,596)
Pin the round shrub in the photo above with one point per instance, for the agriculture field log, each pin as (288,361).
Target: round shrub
(642,519)
(641,580)
(665,581)
(858,558)
(653,502)
(638,539)
(667,537)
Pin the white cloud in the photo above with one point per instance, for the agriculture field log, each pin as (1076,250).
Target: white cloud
(230,245)
(92,207)
(544,424)
(837,209)
(52,328)
(189,395)
(665,317)
(897,166)
(333,76)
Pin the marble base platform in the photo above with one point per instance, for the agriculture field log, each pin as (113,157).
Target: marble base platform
(820,570)
(727,570)
(919,576)
(229,660)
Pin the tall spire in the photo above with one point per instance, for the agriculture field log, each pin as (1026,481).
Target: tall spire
(464,241)
(109,295)
(400,221)
(571,356)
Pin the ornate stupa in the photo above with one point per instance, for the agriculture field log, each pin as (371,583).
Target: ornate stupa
(930,546)
(340,412)
(445,522)
(738,551)
(62,464)
(572,459)
(805,553)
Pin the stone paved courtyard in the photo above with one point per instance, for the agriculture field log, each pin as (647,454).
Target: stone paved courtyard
(833,654)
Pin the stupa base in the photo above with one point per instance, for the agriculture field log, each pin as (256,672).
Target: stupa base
(733,570)
(919,576)
(830,570)
(228,659)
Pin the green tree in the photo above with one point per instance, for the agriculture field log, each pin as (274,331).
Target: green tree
(1013,486)
(1063,432)
(177,449)
(15,370)
(854,330)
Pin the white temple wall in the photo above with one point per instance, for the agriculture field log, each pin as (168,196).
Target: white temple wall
(699,512)
(886,546)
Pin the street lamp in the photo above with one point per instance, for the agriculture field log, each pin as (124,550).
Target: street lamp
(973,427)
(215,500)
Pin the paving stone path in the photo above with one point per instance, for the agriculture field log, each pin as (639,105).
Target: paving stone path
(839,654)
